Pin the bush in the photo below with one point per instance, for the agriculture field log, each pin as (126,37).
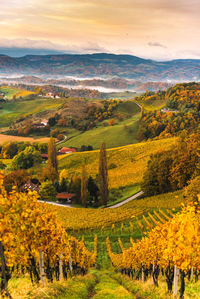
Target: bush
(48,191)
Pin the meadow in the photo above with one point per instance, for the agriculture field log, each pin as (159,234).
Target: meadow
(126,165)
(98,284)
(123,132)
(16,92)
(13,110)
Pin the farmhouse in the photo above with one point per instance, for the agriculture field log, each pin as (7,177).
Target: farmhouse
(31,186)
(67,150)
(44,156)
(65,196)
(44,122)
(50,95)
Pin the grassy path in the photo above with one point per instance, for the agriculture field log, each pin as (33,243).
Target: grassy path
(107,287)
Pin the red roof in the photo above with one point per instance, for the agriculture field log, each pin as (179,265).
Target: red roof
(65,195)
(44,155)
(67,150)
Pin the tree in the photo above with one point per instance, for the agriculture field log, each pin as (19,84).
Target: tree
(52,164)
(52,154)
(75,187)
(9,150)
(84,186)
(111,122)
(93,190)
(2,165)
(103,175)
(156,178)
(16,178)
(26,159)
(52,121)
(47,191)
(191,191)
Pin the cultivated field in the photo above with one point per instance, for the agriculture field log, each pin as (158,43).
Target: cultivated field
(7,138)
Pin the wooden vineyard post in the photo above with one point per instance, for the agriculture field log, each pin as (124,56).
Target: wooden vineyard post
(42,274)
(176,275)
(70,261)
(142,273)
(192,274)
(61,267)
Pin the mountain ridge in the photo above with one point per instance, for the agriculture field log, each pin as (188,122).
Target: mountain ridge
(102,64)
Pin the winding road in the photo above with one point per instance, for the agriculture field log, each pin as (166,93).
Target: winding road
(117,205)
(111,207)
(61,141)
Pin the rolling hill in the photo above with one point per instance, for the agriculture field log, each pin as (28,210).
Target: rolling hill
(126,164)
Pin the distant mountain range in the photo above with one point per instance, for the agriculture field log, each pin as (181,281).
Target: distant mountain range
(101,65)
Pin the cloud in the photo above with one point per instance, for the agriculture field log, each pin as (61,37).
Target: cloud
(87,47)
(156,44)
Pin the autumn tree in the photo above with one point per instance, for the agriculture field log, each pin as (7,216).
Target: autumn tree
(103,175)
(111,122)
(16,178)
(93,191)
(52,166)
(84,186)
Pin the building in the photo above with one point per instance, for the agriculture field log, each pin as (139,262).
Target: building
(44,156)
(67,197)
(51,95)
(31,185)
(67,150)
(44,122)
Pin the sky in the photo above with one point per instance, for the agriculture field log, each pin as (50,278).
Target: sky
(155,29)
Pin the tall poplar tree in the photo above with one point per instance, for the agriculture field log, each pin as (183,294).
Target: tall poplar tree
(84,186)
(103,176)
(52,164)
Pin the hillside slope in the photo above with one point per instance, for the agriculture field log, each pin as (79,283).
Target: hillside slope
(126,164)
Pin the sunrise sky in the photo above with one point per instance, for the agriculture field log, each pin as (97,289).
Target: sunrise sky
(158,29)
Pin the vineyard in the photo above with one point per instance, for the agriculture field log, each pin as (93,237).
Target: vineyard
(33,241)
(126,164)
(152,237)
(77,219)
(171,249)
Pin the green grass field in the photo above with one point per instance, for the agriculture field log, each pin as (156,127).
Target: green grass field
(98,284)
(13,91)
(118,135)
(122,133)
(11,111)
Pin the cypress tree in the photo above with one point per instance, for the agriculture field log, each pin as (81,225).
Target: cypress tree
(52,163)
(103,176)
(84,186)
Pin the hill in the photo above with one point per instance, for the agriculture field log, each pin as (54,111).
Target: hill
(180,111)
(126,164)
(123,132)
(102,64)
